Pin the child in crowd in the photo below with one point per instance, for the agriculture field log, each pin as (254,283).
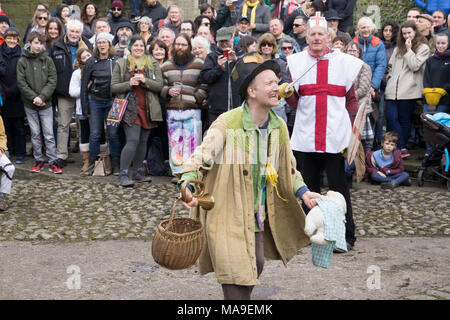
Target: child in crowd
(36,79)
(6,169)
(385,166)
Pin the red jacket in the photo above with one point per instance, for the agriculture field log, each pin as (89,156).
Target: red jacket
(396,166)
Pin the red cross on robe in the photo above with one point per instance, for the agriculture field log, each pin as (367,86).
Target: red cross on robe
(322,89)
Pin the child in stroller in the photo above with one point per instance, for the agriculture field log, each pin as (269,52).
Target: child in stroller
(437,131)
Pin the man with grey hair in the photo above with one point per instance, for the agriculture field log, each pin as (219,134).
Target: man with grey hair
(63,54)
(167,36)
(174,18)
(324,96)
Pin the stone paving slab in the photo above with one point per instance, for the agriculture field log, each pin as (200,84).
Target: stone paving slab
(378,268)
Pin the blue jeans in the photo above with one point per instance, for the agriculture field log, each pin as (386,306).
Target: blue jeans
(398,178)
(439,108)
(349,169)
(45,117)
(99,112)
(134,7)
(398,119)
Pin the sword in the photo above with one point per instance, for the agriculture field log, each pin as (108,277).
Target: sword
(292,84)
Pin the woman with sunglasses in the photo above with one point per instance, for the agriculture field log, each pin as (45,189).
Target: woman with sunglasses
(267,47)
(39,21)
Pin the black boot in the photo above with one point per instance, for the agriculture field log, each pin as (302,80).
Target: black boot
(115,162)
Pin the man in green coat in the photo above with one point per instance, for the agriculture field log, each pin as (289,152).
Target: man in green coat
(247,165)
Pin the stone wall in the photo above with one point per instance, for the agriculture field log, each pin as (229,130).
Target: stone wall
(21,12)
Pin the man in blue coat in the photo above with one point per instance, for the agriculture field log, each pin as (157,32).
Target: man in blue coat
(430,6)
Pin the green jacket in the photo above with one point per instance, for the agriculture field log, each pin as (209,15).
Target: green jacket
(36,76)
(120,86)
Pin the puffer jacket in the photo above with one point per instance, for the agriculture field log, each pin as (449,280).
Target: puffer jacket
(374,54)
(96,80)
(405,78)
(430,6)
(437,74)
(36,77)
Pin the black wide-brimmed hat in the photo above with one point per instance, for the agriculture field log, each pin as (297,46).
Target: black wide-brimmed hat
(248,67)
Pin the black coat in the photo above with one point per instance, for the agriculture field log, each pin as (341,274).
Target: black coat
(218,81)
(98,72)
(156,13)
(437,74)
(345,10)
(12,103)
(62,58)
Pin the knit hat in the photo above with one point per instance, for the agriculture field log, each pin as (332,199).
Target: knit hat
(4,18)
(104,35)
(117,4)
(12,31)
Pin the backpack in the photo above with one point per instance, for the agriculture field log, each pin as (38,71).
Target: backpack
(155,159)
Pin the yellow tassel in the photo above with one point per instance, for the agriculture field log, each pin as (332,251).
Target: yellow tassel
(272,177)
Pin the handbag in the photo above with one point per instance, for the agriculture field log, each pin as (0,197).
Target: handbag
(117,111)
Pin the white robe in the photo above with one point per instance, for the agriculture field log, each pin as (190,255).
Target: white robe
(327,126)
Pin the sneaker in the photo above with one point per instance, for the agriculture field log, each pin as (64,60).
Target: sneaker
(20,160)
(60,163)
(139,176)
(387,185)
(38,166)
(405,153)
(54,168)
(407,183)
(124,180)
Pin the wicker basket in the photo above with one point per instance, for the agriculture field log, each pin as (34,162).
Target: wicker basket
(178,242)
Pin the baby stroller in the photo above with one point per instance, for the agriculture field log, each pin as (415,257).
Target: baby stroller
(438,160)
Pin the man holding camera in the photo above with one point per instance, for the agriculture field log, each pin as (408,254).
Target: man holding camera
(216,73)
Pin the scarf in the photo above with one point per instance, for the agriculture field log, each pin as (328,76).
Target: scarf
(11,52)
(327,50)
(253,13)
(144,62)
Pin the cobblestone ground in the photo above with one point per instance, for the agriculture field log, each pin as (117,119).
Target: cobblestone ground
(50,209)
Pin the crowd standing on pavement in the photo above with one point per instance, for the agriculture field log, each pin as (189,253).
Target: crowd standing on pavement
(183,79)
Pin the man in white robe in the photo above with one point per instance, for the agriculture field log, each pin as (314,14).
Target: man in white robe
(326,105)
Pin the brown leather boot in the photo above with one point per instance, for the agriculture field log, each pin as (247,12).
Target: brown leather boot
(88,166)
(85,156)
